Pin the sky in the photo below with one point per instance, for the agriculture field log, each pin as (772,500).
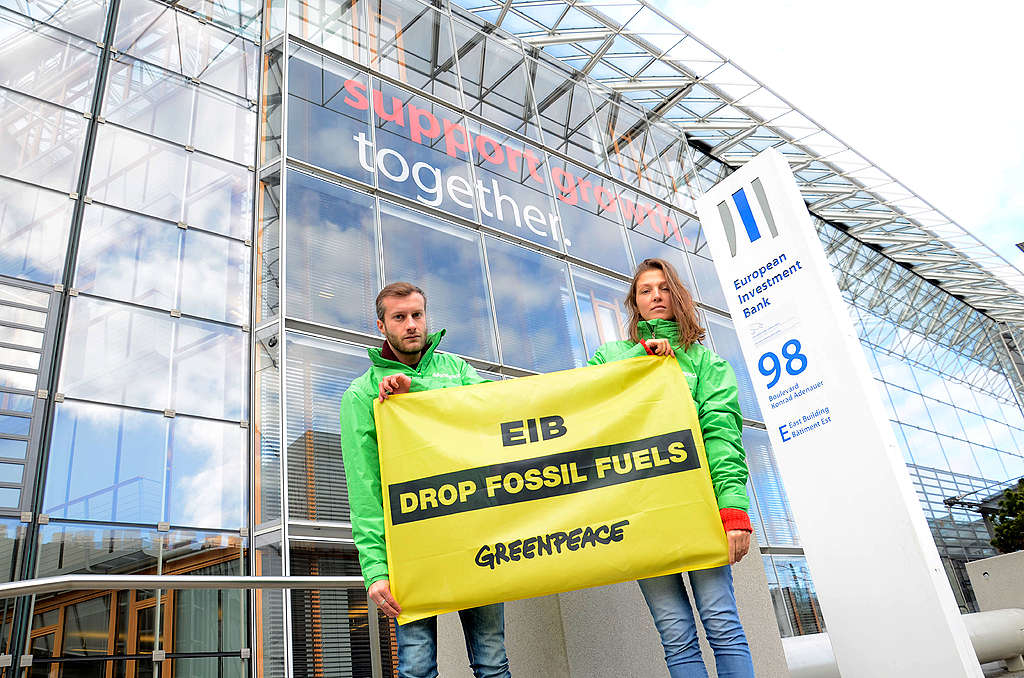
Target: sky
(926,90)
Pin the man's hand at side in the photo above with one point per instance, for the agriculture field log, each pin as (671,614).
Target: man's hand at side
(380,593)
(739,544)
(394,384)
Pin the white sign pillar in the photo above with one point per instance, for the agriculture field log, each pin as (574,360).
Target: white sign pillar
(883,592)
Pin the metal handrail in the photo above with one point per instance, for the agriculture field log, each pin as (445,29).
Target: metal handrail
(95,582)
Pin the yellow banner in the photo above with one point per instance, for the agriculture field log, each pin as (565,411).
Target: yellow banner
(544,484)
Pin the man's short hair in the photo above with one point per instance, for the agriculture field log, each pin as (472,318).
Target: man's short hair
(397,289)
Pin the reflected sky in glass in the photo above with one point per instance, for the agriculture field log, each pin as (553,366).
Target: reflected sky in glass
(537,321)
(34,226)
(110,464)
(727,345)
(446,261)
(125,355)
(332,254)
(320,123)
(602,309)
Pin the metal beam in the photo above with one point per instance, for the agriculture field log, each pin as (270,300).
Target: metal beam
(648,84)
(102,582)
(565,38)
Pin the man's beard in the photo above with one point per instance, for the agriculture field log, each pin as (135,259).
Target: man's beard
(398,346)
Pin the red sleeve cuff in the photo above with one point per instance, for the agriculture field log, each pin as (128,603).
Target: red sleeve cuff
(735,519)
(646,347)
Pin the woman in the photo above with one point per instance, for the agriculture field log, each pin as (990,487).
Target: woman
(663,321)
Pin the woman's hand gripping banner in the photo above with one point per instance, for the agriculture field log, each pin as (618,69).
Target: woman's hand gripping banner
(544,484)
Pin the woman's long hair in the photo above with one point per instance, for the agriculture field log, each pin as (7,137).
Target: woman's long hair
(681,303)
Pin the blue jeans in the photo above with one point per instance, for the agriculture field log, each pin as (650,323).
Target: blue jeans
(716,603)
(484,628)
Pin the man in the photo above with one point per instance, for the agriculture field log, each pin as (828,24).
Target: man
(408,353)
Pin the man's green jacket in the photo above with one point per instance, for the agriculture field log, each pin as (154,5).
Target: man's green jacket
(359,442)
(713,387)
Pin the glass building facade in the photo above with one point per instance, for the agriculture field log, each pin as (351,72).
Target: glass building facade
(199,202)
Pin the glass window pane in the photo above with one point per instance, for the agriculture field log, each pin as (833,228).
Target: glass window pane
(40,143)
(727,345)
(908,406)
(426,158)
(238,16)
(602,310)
(332,254)
(13,335)
(975,428)
(709,289)
(673,153)
(25,381)
(181,43)
(9,497)
(321,114)
(211,364)
(925,448)
(215,278)
(86,627)
(210,621)
(318,372)
(268,251)
(218,197)
(773,505)
(224,126)
(590,217)
(273,106)
(154,101)
(337,25)
(39,60)
(23,295)
(69,548)
(17,358)
(446,261)
(267,424)
(513,188)
(345,648)
(150,262)
(567,115)
(9,557)
(13,449)
(13,402)
(494,79)
(14,426)
(225,667)
(537,322)
(413,43)
(129,257)
(631,154)
(148,30)
(138,173)
(85,18)
(944,418)
(34,226)
(125,355)
(990,463)
(206,474)
(106,464)
(217,57)
(960,457)
(931,384)
(798,592)
(22,316)
(649,248)
(651,218)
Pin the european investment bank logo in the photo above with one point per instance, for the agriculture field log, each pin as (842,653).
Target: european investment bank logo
(739,198)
